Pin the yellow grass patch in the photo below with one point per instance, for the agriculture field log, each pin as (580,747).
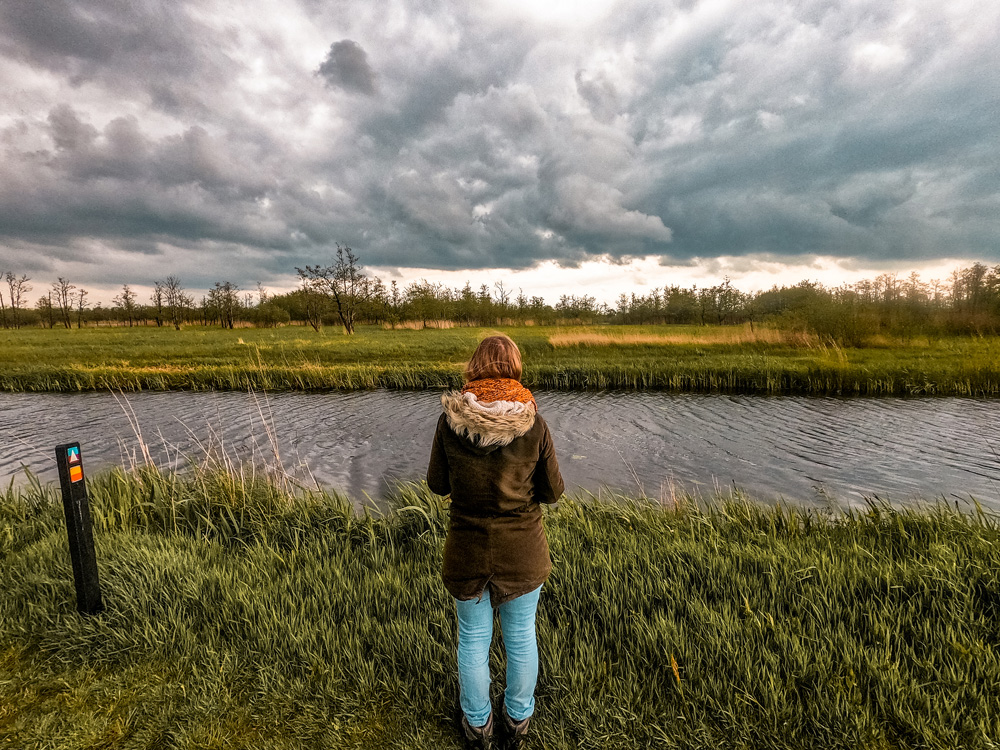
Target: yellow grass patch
(881,341)
(713,335)
(417,325)
(125,367)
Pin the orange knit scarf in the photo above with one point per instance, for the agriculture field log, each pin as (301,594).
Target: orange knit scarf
(499,389)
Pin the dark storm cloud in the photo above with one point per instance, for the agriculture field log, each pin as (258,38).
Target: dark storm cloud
(159,52)
(468,136)
(122,184)
(68,131)
(346,66)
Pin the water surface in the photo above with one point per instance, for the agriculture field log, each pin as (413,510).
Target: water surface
(805,449)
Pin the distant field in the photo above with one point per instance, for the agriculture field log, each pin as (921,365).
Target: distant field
(680,358)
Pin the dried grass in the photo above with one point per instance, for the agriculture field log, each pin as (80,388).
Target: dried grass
(735,335)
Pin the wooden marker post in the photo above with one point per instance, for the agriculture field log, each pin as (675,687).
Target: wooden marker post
(81,535)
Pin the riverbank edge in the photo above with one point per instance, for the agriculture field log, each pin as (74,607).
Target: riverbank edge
(620,377)
(243,610)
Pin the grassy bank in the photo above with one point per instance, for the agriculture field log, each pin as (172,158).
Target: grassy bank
(243,616)
(680,358)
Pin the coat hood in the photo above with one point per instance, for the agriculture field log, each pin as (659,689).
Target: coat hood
(487,425)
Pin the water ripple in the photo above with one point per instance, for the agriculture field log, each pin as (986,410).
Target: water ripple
(806,449)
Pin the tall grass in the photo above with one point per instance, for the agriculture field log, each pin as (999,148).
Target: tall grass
(242,614)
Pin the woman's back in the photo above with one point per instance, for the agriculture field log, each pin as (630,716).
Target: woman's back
(498,465)
(492,463)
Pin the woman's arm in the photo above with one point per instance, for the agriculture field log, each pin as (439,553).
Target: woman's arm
(548,481)
(438,478)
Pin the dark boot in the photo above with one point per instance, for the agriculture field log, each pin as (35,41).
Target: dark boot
(478,738)
(515,733)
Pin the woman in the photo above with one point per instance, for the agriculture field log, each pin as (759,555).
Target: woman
(494,455)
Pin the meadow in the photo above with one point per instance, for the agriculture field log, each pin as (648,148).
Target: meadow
(244,612)
(679,358)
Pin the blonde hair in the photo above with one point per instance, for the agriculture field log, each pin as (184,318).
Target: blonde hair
(495,357)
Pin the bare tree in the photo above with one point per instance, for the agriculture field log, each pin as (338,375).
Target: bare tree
(344,281)
(126,303)
(45,307)
(19,288)
(503,294)
(63,292)
(176,299)
(156,298)
(81,305)
(224,298)
(314,298)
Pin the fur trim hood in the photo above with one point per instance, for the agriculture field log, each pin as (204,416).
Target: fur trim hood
(487,425)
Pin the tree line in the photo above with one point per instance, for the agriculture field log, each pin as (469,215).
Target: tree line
(344,295)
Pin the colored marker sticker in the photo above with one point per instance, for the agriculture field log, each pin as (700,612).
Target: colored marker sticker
(75,473)
(73,454)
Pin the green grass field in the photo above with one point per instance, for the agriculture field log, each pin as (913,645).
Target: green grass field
(682,358)
(241,615)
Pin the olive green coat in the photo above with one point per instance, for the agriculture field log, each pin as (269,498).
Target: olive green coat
(498,464)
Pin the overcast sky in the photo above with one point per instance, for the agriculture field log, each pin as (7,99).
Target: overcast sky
(581,144)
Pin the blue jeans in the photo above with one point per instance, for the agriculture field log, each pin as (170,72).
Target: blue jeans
(475,630)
